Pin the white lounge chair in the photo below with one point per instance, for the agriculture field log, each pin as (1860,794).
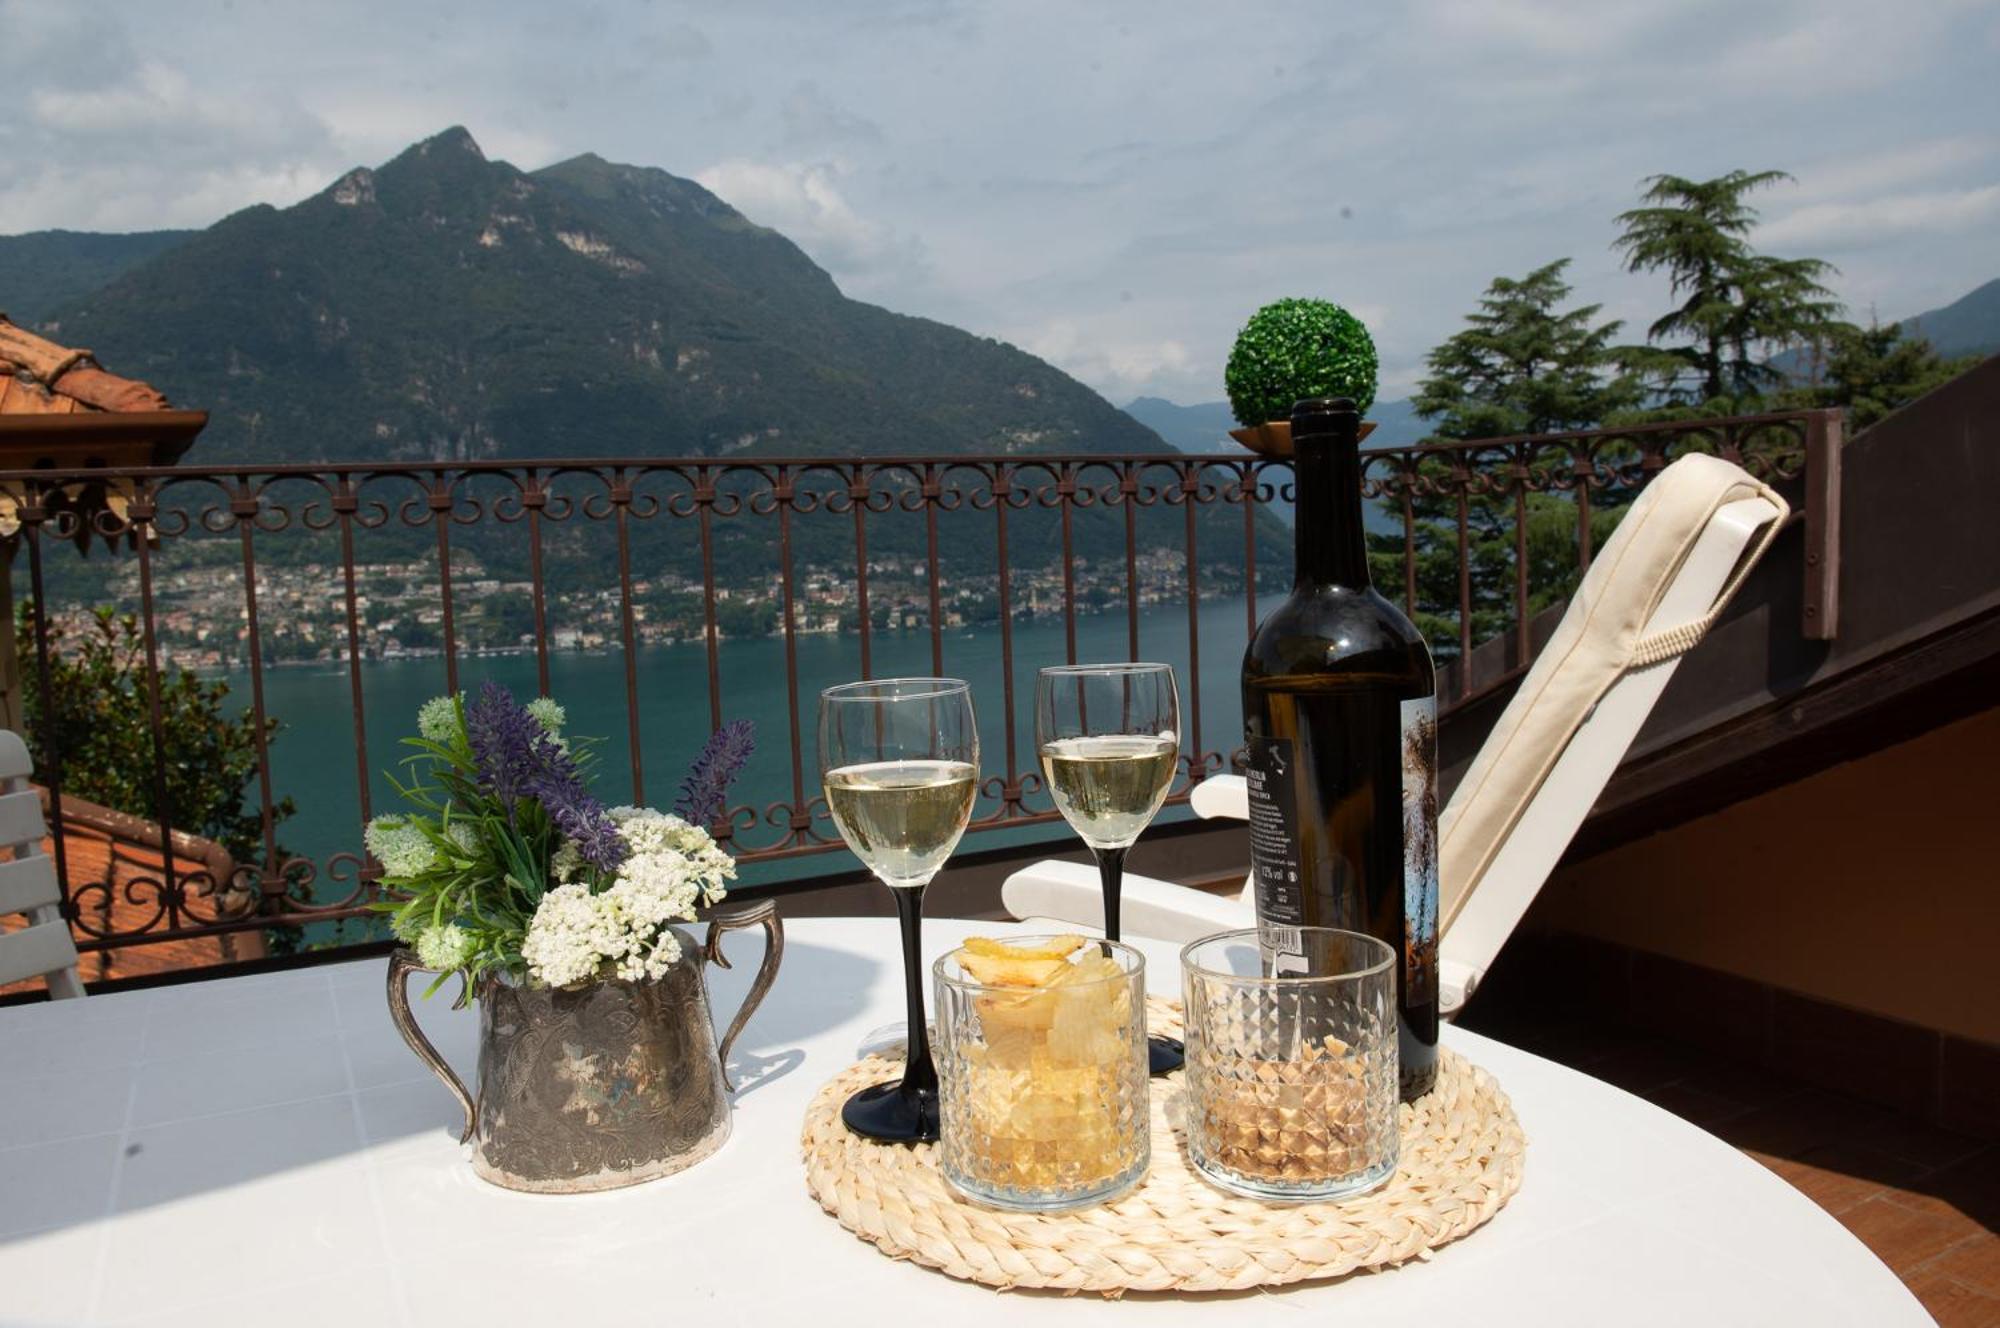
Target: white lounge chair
(43,948)
(1662,579)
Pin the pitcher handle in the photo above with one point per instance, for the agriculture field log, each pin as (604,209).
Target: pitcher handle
(402,963)
(762,913)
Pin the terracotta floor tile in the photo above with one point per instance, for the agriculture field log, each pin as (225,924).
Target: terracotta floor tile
(1644,1064)
(1972,1187)
(1812,1119)
(1954,1304)
(1901,1237)
(1925,1144)
(1750,1085)
(1833,1179)
(1974,1262)
(1695,1106)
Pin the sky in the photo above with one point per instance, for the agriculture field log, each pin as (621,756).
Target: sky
(1114,187)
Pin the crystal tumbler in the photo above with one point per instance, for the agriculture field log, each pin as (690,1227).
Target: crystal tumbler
(1291,1080)
(1042,1071)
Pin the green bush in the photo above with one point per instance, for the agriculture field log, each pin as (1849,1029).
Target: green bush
(1291,350)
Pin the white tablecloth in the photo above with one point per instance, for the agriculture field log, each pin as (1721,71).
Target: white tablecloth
(266,1151)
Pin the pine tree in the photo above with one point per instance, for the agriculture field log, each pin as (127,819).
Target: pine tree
(1737,306)
(1520,366)
(1871,371)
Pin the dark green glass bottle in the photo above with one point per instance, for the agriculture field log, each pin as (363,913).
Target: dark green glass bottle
(1340,724)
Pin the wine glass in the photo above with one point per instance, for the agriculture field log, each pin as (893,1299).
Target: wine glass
(1109,737)
(899,760)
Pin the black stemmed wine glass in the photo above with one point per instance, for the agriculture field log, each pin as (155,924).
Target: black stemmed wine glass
(899,761)
(1109,739)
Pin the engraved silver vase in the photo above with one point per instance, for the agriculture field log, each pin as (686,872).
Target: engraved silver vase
(598,1086)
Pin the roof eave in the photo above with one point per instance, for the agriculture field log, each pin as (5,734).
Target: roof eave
(168,432)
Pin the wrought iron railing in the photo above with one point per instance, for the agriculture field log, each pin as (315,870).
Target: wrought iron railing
(1109,533)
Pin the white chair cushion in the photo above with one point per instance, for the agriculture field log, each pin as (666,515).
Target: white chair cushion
(1604,634)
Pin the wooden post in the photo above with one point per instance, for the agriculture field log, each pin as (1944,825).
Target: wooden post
(1822,480)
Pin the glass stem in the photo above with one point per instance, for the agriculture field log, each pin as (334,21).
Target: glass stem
(919,1072)
(1111,871)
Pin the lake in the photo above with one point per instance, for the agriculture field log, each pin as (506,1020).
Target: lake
(314,760)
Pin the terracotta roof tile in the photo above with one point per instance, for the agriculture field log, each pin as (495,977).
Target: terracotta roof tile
(38,377)
(132,870)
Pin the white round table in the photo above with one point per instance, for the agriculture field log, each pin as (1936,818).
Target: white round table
(265,1150)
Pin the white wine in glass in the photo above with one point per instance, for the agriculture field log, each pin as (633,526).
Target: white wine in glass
(1109,787)
(899,761)
(1109,739)
(902,818)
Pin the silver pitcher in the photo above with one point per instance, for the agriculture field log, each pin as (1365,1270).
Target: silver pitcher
(598,1086)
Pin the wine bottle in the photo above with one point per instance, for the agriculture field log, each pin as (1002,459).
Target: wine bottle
(1340,730)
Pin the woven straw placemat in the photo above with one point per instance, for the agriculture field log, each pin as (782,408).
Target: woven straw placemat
(1461,1162)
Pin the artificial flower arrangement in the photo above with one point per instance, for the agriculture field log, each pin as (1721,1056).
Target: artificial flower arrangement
(508,863)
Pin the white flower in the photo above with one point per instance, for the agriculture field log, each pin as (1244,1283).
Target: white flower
(407,923)
(437,718)
(567,862)
(545,711)
(670,869)
(400,846)
(445,948)
(462,834)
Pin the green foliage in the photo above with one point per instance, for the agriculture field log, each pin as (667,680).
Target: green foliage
(464,869)
(1871,371)
(1738,307)
(1294,349)
(1553,573)
(100,721)
(1520,366)
(44,271)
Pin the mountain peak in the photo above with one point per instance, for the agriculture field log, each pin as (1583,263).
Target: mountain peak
(455,139)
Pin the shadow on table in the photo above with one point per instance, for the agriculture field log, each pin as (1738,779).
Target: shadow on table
(267,1080)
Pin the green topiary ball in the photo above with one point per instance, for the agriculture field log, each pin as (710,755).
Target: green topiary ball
(1294,349)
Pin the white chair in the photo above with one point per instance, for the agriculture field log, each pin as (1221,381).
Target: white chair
(43,948)
(1661,580)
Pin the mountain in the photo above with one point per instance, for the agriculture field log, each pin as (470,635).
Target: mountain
(1205,427)
(1202,428)
(449,307)
(445,307)
(46,270)
(1969,325)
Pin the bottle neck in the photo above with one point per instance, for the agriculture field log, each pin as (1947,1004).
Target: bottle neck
(1331,547)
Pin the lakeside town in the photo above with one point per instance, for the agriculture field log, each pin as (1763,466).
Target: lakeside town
(201,618)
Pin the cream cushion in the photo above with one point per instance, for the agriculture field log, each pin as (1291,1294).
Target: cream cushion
(1602,636)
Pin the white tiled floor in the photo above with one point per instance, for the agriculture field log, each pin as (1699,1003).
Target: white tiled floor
(70,1181)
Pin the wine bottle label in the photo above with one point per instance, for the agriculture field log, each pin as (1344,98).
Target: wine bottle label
(1274,852)
(1420,847)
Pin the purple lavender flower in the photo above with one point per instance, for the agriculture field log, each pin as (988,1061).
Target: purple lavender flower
(506,742)
(581,817)
(704,790)
(516,758)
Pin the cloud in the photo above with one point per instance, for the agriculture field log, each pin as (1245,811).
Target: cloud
(813,120)
(1118,200)
(1871,221)
(678,41)
(1117,364)
(804,200)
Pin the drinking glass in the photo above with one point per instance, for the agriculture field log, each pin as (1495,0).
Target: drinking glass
(1044,1087)
(1291,1077)
(1109,737)
(899,760)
